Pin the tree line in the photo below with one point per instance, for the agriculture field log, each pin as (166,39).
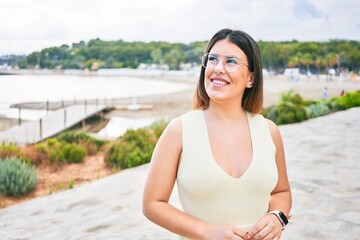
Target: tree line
(315,57)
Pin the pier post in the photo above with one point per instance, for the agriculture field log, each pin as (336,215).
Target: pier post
(19,115)
(64,117)
(40,125)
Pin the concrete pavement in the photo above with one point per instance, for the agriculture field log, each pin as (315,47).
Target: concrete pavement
(323,166)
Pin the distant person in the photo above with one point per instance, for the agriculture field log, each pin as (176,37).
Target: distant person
(308,75)
(325,93)
(227,159)
(342,93)
(353,76)
(331,73)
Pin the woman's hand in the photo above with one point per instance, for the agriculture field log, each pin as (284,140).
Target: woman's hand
(268,228)
(225,232)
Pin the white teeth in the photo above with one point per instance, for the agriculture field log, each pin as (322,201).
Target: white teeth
(218,82)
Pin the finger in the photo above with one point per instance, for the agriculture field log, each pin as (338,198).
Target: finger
(257,228)
(248,236)
(264,233)
(237,237)
(240,232)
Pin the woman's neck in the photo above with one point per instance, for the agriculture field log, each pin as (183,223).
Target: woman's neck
(229,111)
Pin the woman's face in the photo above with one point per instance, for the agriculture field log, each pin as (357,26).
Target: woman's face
(228,78)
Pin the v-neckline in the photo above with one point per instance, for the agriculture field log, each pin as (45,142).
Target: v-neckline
(213,160)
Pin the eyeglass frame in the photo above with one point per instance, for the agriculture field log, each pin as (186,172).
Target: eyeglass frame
(221,57)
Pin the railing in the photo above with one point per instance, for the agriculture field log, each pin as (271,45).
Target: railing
(51,124)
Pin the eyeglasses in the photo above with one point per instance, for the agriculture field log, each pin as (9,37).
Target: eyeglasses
(231,63)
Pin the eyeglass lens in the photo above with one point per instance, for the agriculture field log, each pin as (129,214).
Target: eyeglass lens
(231,63)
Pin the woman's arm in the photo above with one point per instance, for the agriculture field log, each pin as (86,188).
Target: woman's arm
(280,197)
(159,185)
(160,182)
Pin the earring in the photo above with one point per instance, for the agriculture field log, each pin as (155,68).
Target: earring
(251,82)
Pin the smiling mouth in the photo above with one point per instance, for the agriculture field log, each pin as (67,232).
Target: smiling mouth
(219,82)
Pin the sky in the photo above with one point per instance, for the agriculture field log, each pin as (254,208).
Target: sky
(31,25)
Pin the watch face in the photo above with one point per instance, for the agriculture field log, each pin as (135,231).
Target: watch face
(283,217)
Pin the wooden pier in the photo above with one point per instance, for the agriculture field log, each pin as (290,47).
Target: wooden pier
(50,125)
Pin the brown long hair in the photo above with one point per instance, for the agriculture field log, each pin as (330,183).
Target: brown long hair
(252,100)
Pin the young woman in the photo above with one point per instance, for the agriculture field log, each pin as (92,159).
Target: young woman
(227,159)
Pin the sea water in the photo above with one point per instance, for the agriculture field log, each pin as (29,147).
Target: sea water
(56,88)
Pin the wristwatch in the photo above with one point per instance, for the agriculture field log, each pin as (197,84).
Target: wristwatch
(281,216)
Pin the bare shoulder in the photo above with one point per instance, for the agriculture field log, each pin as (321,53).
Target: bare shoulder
(272,125)
(168,148)
(275,132)
(172,134)
(174,127)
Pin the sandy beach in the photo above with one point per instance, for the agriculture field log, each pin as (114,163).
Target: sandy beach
(169,106)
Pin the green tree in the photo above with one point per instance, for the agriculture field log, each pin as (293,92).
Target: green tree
(173,59)
(157,56)
(270,56)
(307,60)
(275,55)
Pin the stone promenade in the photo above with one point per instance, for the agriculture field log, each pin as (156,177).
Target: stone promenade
(323,160)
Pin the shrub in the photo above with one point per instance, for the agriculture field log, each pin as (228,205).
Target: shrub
(335,104)
(73,153)
(351,99)
(17,178)
(285,97)
(309,102)
(317,110)
(134,148)
(9,150)
(91,144)
(51,148)
(77,137)
(289,97)
(91,148)
(32,155)
(290,113)
(289,110)
(27,153)
(60,152)
(285,113)
(296,99)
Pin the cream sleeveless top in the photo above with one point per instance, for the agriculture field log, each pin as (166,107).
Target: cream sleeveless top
(207,192)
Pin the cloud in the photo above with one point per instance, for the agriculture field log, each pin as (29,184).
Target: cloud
(303,9)
(30,25)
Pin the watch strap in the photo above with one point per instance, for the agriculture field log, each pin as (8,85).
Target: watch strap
(281,217)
